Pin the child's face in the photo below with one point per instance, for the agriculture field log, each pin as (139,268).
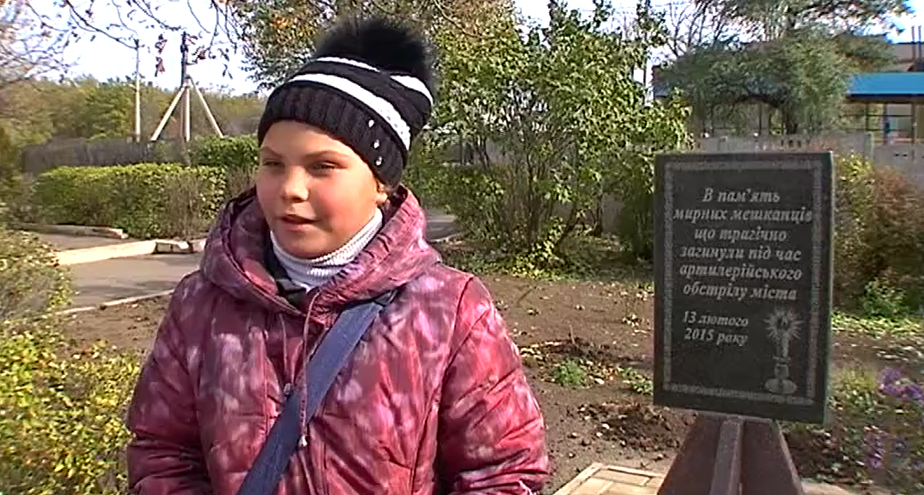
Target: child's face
(315,191)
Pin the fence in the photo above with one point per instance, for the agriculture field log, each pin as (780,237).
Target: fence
(908,158)
(104,152)
(860,143)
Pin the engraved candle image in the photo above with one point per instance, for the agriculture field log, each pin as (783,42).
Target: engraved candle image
(783,326)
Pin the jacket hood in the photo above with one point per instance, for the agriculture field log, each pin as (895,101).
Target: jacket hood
(234,255)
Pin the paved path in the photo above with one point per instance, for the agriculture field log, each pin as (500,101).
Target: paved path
(62,242)
(118,278)
(439,224)
(601,479)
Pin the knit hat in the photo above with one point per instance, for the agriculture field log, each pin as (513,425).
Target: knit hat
(370,85)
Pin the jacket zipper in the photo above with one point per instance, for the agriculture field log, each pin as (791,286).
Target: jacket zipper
(302,384)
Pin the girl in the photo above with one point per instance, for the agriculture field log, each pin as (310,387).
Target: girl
(431,400)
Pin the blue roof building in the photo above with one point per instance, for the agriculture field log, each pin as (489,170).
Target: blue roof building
(887,87)
(872,87)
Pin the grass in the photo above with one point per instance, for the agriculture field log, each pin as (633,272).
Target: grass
(569,373)
(636,381)
(904,327)
(588,259)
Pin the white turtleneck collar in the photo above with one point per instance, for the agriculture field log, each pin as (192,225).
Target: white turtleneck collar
(311,273)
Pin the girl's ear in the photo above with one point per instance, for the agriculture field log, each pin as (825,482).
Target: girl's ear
(382,194)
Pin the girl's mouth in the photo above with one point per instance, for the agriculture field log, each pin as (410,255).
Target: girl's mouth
(293,220)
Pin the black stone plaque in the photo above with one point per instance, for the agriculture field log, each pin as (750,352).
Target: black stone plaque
(743,283)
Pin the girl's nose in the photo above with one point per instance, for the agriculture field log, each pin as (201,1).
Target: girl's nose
(295,184)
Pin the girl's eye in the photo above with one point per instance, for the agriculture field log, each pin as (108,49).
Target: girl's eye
(272,164)
(324,166)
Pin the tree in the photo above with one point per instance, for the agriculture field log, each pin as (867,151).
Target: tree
(764,20)
(795,56)
(692,25)
(107,111)
(85,108)
(274,35)
(28,48)
(279,34)
(556,120)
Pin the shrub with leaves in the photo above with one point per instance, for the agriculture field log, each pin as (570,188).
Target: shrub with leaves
(237,155)
(135,198)
(61,428)
(879,242)
(31,282)
(13,188)
(430,175)
(555,120)
(9,169)
(225,152)
(184,215)
(61,413)
(854,219)
(897,238)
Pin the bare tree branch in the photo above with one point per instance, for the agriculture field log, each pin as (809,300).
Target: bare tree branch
(222,27)
(28,47)
(121,21)
(694,24)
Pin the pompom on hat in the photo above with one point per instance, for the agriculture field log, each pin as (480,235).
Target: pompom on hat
(370,85)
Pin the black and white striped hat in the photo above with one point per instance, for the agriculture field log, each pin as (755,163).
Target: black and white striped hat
(370,85)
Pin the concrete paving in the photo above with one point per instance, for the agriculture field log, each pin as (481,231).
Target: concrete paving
(601,479)
(439,224)
(118,278)
(64,242)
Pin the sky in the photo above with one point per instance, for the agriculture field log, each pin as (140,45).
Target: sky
(104,58)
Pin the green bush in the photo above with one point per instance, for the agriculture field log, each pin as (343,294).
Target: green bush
(9,159)
(854,219)
(136,198)
(61,413)
(238,156)
(61,407)
(429,175)
(31,282)
(227,153)
(879,242)
(10,176)
(634,186)
(16,201)
(896,241)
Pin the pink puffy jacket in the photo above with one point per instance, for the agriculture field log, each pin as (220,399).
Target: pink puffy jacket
(433,400)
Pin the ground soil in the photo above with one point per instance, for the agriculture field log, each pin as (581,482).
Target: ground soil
(601,414)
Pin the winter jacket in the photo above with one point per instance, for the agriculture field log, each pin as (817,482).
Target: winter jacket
(433,400)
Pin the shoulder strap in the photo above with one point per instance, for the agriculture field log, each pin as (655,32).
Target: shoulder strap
(321,371)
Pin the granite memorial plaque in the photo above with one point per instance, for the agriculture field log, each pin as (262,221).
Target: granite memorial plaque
(743,268)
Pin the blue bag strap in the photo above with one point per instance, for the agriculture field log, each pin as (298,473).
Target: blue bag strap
(320,373)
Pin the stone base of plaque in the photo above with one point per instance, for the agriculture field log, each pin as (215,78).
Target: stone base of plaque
(733,456)
(780,386)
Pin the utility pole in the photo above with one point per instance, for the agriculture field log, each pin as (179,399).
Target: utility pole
(185,112)
(137,133)
(187,85)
